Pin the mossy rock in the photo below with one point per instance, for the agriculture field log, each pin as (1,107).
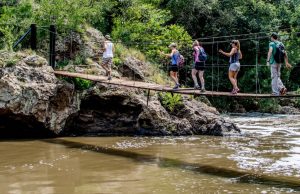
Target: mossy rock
(35,61)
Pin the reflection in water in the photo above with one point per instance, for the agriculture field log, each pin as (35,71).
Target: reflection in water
(265,159)
(239,176)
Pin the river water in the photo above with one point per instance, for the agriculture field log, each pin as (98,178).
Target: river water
(265,159)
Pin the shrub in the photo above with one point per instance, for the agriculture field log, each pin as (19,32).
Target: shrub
(79,83)
(63,63)
(269,105)
(171,102)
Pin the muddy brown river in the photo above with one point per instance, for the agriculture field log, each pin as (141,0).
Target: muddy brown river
(265,159)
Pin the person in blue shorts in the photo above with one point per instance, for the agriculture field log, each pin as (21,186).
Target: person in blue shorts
(235,55)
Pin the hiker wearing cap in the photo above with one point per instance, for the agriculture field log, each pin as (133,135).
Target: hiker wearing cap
(108,55)
(198,66)
(276,56)
(235,55)
(173,68)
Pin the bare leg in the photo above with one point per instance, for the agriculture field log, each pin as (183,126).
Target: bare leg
(236,81)
(201,76)
(109,70)
(194,76)
(174,76)
(104,66)
(231,76)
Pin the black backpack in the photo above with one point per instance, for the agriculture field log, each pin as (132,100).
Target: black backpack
(279,53)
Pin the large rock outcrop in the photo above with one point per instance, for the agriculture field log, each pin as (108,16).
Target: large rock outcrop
(113,111)
(32,97)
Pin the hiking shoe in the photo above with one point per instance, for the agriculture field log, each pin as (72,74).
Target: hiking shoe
(274,94)
(109,78)
(196,87)
(283,91)
(233,91)
(202,90)
(176,87)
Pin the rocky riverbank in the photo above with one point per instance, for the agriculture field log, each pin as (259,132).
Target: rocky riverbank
(34,102)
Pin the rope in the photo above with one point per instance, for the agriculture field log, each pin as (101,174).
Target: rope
(165,41)
(218,57)
(256,68)
(237,35)
(258,47)
(212,70)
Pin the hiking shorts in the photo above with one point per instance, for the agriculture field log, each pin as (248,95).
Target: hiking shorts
(107,61)
(199,66)
(235,66)
(173,68)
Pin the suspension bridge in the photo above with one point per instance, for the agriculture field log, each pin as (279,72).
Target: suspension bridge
(161,88)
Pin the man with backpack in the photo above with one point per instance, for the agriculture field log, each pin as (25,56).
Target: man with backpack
(276,57)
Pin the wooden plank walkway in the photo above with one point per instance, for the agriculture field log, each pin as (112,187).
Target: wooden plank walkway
(157,87)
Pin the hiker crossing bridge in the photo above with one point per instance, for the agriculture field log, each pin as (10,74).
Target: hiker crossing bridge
(156,87)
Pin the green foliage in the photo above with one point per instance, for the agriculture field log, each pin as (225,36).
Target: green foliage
(62,63)
(71,14)
(79,60)
(269,105)
(14,21)
(117,62)
(79,83)
(297,100)
(11,62)
(68,15)
(82,84)
(171,102)
(143,26)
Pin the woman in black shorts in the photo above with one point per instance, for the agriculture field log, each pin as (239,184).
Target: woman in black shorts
(198,67)
(173,68)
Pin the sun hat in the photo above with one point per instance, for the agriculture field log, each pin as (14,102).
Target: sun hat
(173,45)
(107,37)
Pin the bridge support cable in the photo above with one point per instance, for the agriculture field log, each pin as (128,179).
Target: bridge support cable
(256,64)
(22,38)
(218,57)
(212,62)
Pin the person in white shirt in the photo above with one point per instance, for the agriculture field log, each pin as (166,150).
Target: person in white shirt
(108,55)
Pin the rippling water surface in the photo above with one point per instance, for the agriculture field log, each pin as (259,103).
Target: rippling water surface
(265,159)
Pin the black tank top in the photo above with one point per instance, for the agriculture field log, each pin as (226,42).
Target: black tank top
(235,57)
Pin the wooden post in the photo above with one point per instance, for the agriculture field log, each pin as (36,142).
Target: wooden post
(33,38)
(148,95)
(52,46)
